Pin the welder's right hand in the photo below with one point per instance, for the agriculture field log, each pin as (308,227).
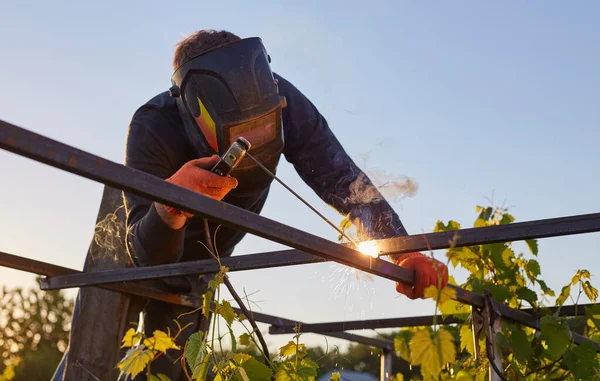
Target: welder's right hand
(196,175)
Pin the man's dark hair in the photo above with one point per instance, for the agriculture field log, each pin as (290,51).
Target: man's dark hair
(199,42)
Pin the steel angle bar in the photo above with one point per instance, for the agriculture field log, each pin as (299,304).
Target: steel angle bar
(275,320)
(466,237)
(518,231)
(70,159)
(204,266)
(413,321)
(47,269)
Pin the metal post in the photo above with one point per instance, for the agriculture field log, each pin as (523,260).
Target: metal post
(497,359)
(386,365)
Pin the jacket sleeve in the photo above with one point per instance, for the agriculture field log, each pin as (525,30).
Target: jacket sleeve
(323,164)
(149,240)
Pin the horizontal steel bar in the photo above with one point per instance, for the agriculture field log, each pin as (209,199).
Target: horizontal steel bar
(413,321)
(467,237)
(70,159)
(204,266)
(518,231)
(48,269)
(275,320)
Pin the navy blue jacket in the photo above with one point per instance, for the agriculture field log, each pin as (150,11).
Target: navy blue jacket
(157,143)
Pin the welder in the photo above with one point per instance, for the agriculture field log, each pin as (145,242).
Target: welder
(223,88)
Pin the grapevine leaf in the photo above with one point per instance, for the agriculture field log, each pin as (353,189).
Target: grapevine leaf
(527,294)
(463,375)
(401,346)
(582,362)
(593,313)
(533,246)
(160,342)
(507,256)
(506,219)
(547,290)
(131,338)
(307,369)
(533,268)
(452,225)
(153,378)
(335,376)
(557,334)
(290,348)
(564,294)
(584,274)
(590,291)
(196,354)
(432,350)
(479,223)
(486,213)
(466,339)
(254,369)
(521,345)
(135,361)
(224,309)
(396,377)
(163,377)
(244,339)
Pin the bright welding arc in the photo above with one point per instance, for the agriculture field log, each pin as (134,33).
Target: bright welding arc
(303,201)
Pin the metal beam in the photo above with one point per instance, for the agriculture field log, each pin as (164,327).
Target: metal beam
(43,268)
(48,269)
(458,238)
(70,159)
(518,231)
(413,321)
(73,160)
(204,266)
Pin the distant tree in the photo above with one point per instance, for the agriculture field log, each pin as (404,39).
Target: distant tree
(34,331)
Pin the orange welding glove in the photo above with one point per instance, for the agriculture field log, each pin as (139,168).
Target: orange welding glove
(428,272)
(196,175)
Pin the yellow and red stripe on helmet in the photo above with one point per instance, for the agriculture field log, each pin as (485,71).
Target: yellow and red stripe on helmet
(207,126)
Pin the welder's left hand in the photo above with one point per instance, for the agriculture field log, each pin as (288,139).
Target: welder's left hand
(428,272)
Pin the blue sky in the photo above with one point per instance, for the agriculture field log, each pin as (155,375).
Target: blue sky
(472,100)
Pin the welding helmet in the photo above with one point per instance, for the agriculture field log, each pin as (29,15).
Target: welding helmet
(229,92)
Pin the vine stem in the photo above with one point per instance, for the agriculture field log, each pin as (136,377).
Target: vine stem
(239,301)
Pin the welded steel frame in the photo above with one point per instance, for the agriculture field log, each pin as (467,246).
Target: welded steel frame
(309,248)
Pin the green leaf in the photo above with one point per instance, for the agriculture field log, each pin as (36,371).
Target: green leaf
(582,361)
(506,219)
(533,267)
(244,339)
(533,246)
(557,334)
(224,309)
(206,301)
(565,292)
(486,213)
(527,294)
(163,377)
(307,369)
(521,345)
(547,290)
(135,361)
(335,376)
(590,291)
(153,378)
(254,369)
(593,313)
(196,354)
(401,344)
